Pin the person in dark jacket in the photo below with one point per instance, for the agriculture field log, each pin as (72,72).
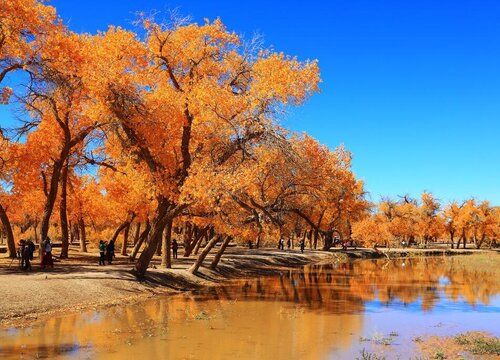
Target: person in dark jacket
(110,251)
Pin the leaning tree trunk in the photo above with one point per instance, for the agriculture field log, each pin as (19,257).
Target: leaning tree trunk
(83,236)
(194,268)
(140,241)
(166,257)
(125,239)
(154,237)
(208,235)
(51,192)
(63,215)
(219,254)
(197,239)
(11,244)
(137,233)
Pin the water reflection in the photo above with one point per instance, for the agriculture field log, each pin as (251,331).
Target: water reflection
(346,287)
(311,313)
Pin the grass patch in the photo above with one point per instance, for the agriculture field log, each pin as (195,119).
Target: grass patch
(366,355)
(479,343)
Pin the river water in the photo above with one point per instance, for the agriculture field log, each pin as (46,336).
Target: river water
(328,311)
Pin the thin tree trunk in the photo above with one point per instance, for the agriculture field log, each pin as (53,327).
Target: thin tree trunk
(11,244)
(194,268)
(166,257)
(158,248)
(63,215)
(208,235)
(125,239)
(83,236)
(219,254)
(197,239)
(142,238)
(137,233)
(71,233)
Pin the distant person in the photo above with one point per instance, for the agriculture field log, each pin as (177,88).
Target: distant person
(47,253)
(175,247)
(31,246)
(344,245)
(22,246)
(102,249)
(288,243)
(250,245)
(302,245)
(281,244)
(26,256)
(110,251)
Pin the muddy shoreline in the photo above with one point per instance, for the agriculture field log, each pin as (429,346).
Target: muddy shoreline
(79,284)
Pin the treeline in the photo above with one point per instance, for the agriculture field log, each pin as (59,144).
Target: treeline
(410,222)
(172,127)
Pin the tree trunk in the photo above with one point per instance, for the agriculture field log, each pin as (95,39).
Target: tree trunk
(194,268)
(218,256)
(154,237)
(63,215)
(166,257)
(197,239)
(209,234)
(11,244)
(315,239)
(125,239)
(137,233)
(52,192)
(71,233)
(158,248)
(142,238)
(83,236)
(452,238)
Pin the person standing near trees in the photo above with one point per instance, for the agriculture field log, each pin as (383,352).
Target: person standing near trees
(110,251)
(175,247)
(302,245)
(47,254)
(288,243)
(102,249)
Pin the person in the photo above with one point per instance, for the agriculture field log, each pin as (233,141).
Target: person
(288,243)
(281,244)
(250,245)
(102,249)
(31,246)
(110,251)
(22,246)
(344,245)
(175,247)
(26,256)
(47,253)
(302,245)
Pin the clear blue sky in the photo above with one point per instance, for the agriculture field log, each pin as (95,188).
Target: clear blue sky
(412,88)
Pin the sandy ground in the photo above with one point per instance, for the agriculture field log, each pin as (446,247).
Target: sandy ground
(79,283)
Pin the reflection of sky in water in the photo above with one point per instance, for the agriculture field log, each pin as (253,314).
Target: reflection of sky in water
(444,305)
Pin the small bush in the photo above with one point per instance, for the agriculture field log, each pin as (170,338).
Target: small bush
(478,343)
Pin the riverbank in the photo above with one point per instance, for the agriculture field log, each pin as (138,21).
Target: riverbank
(79,283)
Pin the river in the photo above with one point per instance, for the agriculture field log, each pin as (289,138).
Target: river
(322,311)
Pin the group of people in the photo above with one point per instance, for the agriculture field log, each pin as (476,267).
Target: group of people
(106,252)
(281,244)
(26,252)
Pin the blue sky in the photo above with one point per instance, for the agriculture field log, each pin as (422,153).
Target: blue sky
(412,88)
